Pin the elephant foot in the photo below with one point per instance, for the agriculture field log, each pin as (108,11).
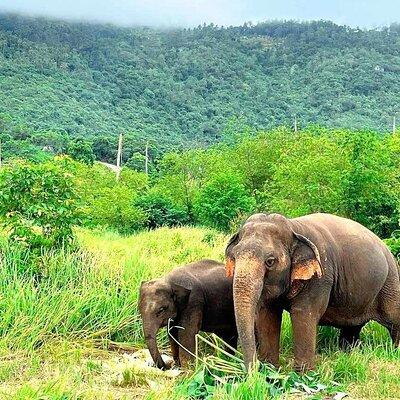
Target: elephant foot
(271,360)
(177,363)
(349,337)
(302,367)
(185,361)
(347,344)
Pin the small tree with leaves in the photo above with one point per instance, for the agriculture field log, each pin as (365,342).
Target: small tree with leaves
(81,150)
(38,203)
(222,200)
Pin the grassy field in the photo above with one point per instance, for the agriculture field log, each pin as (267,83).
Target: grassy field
(66,321)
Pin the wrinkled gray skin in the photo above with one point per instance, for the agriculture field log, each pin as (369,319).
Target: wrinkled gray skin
(323,269)
(198,297)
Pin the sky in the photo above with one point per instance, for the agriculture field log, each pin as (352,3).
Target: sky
(362,13)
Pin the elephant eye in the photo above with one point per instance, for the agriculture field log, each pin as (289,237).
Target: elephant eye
(270,262)
(161,309)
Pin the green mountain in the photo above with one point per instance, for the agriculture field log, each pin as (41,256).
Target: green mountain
(180,87)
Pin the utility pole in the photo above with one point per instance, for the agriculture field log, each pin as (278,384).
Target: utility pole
(119,156)
(394,125)
(295,124)
(146,160)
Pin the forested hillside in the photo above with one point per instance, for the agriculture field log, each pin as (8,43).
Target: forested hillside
(180,87)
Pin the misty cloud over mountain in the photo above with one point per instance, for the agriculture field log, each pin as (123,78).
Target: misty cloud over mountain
(223,12)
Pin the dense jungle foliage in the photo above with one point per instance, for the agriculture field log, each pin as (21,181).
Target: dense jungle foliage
(62,81)
(350,173)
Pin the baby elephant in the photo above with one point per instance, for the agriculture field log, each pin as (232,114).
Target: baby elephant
(197,297)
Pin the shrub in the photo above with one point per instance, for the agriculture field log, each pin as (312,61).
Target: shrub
(113,207)
(368,185)
(81,150)
(107,202)
(222,200)
(393,242)
(38,203)
(161,211)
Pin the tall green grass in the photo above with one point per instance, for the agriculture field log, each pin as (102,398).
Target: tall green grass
(67,297)
(87,294)
(64,314)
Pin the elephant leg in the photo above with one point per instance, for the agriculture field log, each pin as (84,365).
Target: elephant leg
(349,337)
(304,325)
(174,346)
(390,307)
(268,331)
(231,339)
(191,322)
(394,331)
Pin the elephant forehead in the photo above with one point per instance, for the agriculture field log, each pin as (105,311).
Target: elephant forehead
(266,231)
(252,258)
(154,302)
(150,305)
(248,260)
(155,287)
(153,297)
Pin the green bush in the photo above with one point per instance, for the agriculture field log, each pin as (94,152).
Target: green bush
(368,184)
(113,207)
(107,202)
(81,150)
(39,204)
(161,211)
(221,201)
(393,242)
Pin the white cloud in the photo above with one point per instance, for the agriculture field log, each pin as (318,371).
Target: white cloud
(222,12)
(127,12)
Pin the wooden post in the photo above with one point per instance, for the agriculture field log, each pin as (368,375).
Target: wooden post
(146,160)
(119,156)
(394,125)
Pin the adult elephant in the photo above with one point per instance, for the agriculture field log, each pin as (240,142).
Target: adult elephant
(322,268)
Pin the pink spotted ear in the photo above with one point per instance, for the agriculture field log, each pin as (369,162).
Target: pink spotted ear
(305,270)
(229,267)
(306,263)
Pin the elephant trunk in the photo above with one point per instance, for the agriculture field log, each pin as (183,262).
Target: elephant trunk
(247,288)
(150,333)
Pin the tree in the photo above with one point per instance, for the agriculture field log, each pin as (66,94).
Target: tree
(368,184)
(306,177)
(83,80)
(81,150)
(39,203)
(223,199)
(105,149)
(109,203)
(160,211)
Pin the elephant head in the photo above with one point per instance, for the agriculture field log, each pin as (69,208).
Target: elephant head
(266,256)
(159,301)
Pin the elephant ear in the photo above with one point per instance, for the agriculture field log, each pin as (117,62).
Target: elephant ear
(306,263)
(180,294)
(229,259)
